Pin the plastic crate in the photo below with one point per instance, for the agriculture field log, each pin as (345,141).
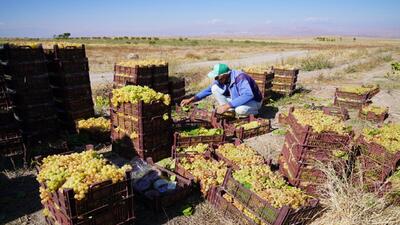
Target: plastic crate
(263,210)
(282,119)
(73,92)
(69,52)
(161,87)
(69,79)
(283,87)
(142,109)
(20,69)
(285,72)
(337,111)
(35,111)
(100,195)
(307,137)
(28,83)
(74,104)
(181,141)
(141,125)
(349,104)
(356,97)
(241,133)
(291,79)
(371,116)
(122,80)
(376,159)
(22,53)
(32,97)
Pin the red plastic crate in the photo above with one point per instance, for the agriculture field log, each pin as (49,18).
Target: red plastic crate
(181,141)
(356,97)
(307,137)
(263,209)
(241,133)
(337,111)
(371,116)
(69,52)
(291,79)
(285,72)
(142,109)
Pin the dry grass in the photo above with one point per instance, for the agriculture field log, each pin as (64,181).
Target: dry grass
(347,203)
(370,64)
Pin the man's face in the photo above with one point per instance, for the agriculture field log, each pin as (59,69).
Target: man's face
(223,78)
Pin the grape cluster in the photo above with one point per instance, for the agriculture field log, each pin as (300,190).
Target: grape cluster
(199,148)
(320,121)
(270,186)
(200,131)
(387,135)
(76,171)
(134,94)
(100,124)
(249,125)
(241,155)
(256,69)
(207,172)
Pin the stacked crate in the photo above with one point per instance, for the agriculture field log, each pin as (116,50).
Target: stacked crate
(11,143)
(69,79)
(177,89)
(304,147)
(354,100)
(140,129)
(284,82)
(264,83)
(27,79)
(153,76)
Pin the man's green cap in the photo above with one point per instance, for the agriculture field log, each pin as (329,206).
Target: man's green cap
(218,70)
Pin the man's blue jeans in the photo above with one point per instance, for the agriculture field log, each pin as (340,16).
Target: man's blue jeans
(250,107)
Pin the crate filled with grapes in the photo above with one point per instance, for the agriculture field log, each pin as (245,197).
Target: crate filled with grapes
(97,129)
(141,121)
(314,128)
(285,70)
(249,127)
(379,152)
(187,133)
(200,148)
(355,97)
(158,187)
(263,78)
(238,155)
(266,197)
(150,72)
(69,51)
(285,78)
(203,170)
(374,113)
(84,188)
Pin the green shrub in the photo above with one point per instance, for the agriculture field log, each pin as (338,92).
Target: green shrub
(317,62)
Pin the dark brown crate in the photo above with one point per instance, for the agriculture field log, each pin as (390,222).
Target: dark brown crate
(263,209)
(22,53)
(135,72)
(291,79)
(356,97)
(120,213)
(241,133)
(74,104)
(125,148)
(98,196)
(286,72)
(32,97)
(69,79)
(283,87)
(74,66)
(73,92)
(180,141)
(307,137)
(35,111)
(142,109)
(337,111)
(375,157)
(71,116)
(123,80)
(20,69)
(176,83)
(69,52)
(371,116)
(349,104)
(161,87)
(140,124)
(28,83)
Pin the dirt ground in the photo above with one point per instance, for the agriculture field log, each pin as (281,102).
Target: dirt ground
(19,197)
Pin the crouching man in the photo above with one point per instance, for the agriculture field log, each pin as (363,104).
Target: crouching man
(233,90)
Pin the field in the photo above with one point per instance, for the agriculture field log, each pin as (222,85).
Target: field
(324,65)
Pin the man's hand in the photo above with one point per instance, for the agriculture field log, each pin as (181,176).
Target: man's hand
(223,108)
(187,101)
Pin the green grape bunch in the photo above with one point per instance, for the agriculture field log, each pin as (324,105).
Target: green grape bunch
(76,171)
(134,94)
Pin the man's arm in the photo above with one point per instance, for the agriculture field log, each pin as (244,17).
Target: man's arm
(245,94)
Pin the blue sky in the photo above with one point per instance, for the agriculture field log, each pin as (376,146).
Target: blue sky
(41,18)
